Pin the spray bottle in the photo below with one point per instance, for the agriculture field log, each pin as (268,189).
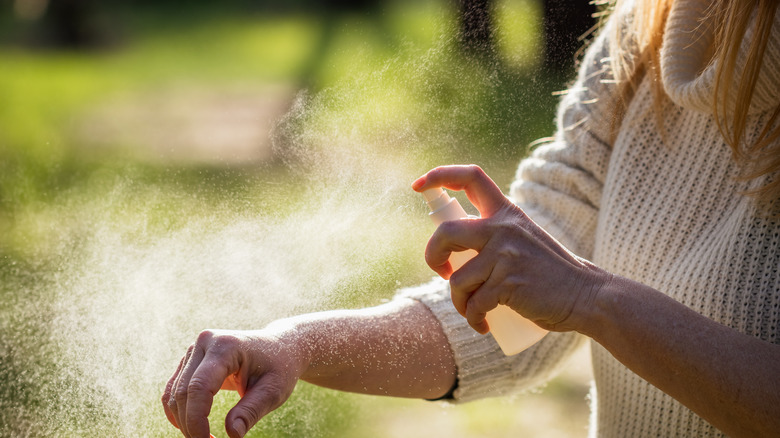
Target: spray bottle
(512,332)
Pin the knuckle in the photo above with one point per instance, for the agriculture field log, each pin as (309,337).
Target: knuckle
(507,257)
(179,396)
(475,170)
(448,227)
(508,252)
(227,342)
(197,385)
(172,403)
(455,283)
(459,283)
(168,401)
(222,342)
(513,285)
(205,336)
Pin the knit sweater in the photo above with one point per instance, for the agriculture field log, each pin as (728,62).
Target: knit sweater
(663,208)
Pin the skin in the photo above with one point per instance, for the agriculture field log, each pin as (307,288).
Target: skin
(378,350)
(727,378)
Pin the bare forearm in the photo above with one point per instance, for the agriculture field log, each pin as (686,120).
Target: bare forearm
(728,378)
(395,349)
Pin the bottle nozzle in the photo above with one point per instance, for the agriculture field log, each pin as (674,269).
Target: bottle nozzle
(436,198)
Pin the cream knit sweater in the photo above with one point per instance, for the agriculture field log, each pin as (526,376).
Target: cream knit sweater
(664,210)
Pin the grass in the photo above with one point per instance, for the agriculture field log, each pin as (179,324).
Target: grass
(90,235)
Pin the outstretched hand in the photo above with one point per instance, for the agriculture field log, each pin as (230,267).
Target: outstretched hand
(258,364)
(518,265)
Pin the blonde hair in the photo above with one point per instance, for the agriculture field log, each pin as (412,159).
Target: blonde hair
(731,19)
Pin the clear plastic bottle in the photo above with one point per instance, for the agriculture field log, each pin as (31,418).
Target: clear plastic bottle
(512,332)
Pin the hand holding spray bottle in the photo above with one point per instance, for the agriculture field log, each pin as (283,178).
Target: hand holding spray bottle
(512,332)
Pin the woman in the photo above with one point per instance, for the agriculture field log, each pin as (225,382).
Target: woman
(663,175)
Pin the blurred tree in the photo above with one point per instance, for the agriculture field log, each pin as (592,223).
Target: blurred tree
(351,5)
(476,27)
(565,22)
(30,10)
(331,13)
(72,24)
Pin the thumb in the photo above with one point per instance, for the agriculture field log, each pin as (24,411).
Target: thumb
(260,399)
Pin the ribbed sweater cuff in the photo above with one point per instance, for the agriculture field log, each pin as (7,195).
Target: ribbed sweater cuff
(476,356)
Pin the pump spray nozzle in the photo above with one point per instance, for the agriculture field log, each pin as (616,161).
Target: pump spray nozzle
(436,198)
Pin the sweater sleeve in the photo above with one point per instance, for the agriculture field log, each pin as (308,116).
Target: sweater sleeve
(559,186)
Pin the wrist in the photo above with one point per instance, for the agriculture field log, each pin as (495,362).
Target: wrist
(594,303)
(294,336)
(610,306)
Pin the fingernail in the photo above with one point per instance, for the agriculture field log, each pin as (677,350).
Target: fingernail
(239,426)
(419,182)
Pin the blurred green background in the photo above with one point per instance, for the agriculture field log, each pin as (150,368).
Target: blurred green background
(171,166)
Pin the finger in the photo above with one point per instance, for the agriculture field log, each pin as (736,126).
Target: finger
(267,394)
(176,395)
(453,236)
(168,402)
(467,280)
(479,188)
(480,302)
(206,381)
(180,393)
(478,288)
